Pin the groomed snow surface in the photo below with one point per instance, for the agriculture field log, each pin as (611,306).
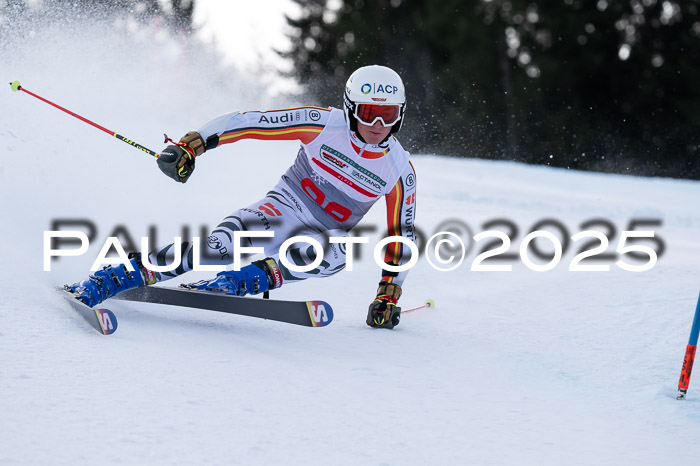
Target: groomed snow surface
(517,367)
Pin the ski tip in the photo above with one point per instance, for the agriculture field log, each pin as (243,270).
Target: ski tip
(320,313)
(430,303)
(15,85)
(102,320)
(107,320)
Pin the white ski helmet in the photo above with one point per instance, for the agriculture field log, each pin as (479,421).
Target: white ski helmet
(375,93)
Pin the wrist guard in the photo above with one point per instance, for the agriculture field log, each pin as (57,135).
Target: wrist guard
(389,291)
(194,141)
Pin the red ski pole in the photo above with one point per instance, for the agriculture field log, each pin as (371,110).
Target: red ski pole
(17,87)
(687,369)
(428,303)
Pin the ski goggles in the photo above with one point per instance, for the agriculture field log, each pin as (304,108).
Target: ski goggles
(368,114)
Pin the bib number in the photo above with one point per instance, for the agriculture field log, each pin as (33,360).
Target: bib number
(335,210)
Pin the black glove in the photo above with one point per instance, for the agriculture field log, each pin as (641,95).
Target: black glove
(177,161)
(383,312)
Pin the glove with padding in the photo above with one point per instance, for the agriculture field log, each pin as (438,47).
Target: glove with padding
(177,161)
(383,312)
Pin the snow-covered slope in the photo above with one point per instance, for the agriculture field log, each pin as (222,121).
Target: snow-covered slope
(513,367)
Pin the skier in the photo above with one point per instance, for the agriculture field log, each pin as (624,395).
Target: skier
(347,161)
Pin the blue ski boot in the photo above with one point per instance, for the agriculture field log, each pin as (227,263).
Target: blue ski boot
(258,277)
(111,280)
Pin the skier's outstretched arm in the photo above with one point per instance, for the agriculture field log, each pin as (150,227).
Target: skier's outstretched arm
(401,215)
(298,123)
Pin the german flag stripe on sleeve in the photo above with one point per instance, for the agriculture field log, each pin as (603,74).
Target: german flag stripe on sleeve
(304,133)
(394,202)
